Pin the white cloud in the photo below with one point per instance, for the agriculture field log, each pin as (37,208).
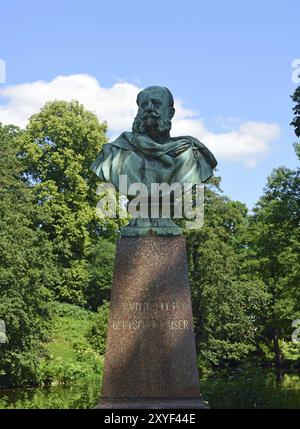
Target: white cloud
(245,142)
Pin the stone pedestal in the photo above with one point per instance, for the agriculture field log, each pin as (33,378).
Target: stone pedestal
(150,359)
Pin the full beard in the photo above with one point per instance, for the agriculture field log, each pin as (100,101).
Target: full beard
(163,126)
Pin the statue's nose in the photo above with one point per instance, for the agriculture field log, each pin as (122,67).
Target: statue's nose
(149,106)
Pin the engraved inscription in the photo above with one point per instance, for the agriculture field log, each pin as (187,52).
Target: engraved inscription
(175,324)
(152,306)
(151,316)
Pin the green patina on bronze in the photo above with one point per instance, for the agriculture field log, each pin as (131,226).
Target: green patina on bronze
(149,155)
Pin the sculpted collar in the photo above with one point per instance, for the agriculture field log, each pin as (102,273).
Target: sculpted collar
(165,152)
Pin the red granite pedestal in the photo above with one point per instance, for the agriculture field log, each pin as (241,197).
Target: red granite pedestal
(150,359)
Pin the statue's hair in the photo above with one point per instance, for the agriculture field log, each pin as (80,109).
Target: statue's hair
(164,123)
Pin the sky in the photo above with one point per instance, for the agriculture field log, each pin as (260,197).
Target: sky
(231,67)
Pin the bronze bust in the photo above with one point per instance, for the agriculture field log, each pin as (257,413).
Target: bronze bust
(148,154)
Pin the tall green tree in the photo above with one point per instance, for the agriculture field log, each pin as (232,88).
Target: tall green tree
(59,145)
(275,247)
(227,301)
(26,269)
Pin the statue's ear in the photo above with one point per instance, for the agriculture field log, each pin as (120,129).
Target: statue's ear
(172,112)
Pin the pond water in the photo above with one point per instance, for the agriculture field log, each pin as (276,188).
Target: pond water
(77,395)
(232,389)
(252,388)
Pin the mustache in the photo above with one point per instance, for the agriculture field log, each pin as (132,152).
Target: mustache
(151,113)
(163,125)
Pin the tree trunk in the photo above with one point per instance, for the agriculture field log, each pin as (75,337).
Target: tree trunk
(277,351)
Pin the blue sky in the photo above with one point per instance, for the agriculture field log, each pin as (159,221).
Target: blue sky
(228,61)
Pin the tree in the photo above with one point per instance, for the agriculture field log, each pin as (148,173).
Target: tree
(296,109)
(227,302)
(59,145)
(26,269)
(100,261)
(296,121)
(276,249)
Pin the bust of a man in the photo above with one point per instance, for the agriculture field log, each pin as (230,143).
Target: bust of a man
(148,154)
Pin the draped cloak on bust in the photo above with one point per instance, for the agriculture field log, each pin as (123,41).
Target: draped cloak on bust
(178,160)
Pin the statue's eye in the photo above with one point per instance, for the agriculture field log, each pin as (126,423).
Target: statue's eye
(156,102)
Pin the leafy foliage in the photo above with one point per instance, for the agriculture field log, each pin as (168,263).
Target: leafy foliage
(59,145)
(71,355)
(296,109)
(244,268)
(275,245)
(26,269)
(227,302)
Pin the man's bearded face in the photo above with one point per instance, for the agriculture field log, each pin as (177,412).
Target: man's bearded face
(154,112)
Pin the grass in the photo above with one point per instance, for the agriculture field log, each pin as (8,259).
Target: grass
(72,355)
(61,349)
(71,371)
